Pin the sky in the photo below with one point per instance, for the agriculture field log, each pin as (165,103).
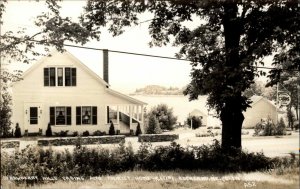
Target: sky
(126,72)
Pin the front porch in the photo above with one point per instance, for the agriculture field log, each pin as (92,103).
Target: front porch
(125,117)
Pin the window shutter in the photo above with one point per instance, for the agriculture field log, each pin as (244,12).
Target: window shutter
(69,117)
(52,116)
(46,76)
(94,115)
(78,115)
(74,77)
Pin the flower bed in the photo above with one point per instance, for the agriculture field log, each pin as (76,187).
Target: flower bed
(157,137)
(83,140)
(10,144)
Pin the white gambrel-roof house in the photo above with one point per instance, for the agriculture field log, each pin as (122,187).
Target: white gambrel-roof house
(62,91)
(261,108)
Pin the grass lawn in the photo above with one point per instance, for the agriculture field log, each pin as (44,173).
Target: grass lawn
(275,179)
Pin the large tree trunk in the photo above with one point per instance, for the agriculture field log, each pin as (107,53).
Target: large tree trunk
(231,113)
(232,119)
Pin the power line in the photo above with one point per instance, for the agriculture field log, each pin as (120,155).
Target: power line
(165,57)
(158,56)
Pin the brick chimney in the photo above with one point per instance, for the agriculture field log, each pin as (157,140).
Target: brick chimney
(105,65)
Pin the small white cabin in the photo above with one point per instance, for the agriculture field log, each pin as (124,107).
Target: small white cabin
(261,109)
(200,114)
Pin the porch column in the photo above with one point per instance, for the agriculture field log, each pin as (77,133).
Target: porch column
(142,118)
(138,112)
(130,118)
(118,120)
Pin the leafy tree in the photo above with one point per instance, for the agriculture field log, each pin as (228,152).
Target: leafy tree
(6,79)
(153,126)
(291,118)
(280,128)
(195,121)
(165,116)
(256,88)
(224,49)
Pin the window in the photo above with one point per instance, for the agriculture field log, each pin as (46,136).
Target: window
(60,80)
(52,76)
(60,115)
(70,76)
(86,115)
(33,114)
(64,76)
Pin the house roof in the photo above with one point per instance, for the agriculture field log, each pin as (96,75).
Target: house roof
(197,111)
(130,99)
(75,60)
(255,99)
(89,71)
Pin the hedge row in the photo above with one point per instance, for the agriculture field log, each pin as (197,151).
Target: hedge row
(86,162)
(82,140)
(157,137)
(10,144)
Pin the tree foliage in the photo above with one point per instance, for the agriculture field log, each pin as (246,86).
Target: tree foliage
(194,121)
(153,126)
(6,79)
(53,31)
(224,49)
(164,115)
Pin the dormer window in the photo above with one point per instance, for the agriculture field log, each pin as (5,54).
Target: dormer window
(60,76)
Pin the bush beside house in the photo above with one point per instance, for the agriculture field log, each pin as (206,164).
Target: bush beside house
(18,131)
(194,121)
(49,130)
(153,126)
(270,129)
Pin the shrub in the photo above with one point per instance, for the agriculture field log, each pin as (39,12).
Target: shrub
(49,130)
(153,126)
(86,133)
(111,129)
(164,115)
(62,133)
(269,129)
(18,131)
(75,134)
(280,128)
(291,118)
(99,133)
(195,121)
(138,130)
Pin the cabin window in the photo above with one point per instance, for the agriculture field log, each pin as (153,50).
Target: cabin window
(64,76)
(60,75)
(60,115)
(49,76)
(86,115)
(70,76)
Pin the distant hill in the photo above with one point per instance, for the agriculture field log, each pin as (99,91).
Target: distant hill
(158,90)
